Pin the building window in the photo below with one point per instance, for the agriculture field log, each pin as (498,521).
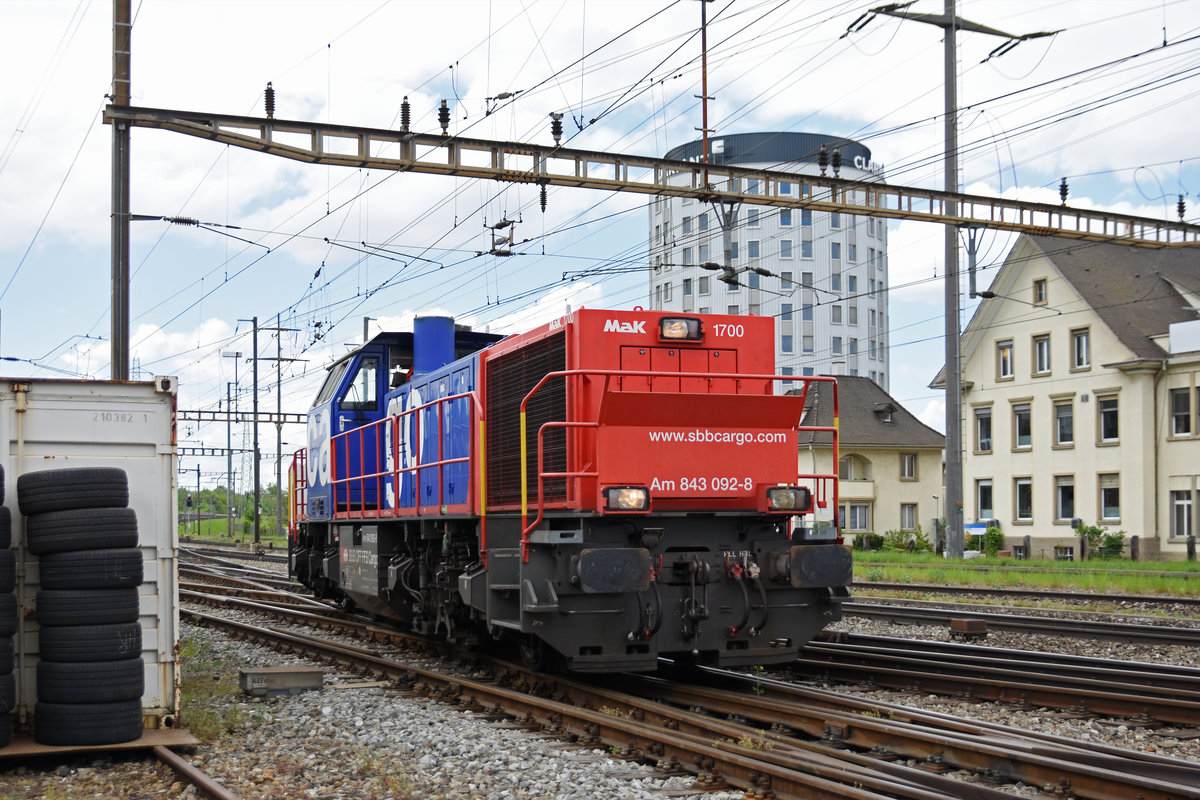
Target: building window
(983,500)
(908,466)
(1064,423)
(752,220)
(908,516)
(806,248)
(785,280)
(687,287)
(732,310)
(785,218)
(703,220)
(703,253)
(687,256)
(835,314)
(687,224)
(835,251)
(733,251)
(788,371)
(1110,497)
(752,248)
(1106,407)
(852,253)
(808,372)
(785,248)
(1081,349)
(851,283)
(667,292)
(785,313)
(702,284)
(835,219)
(785,187)
(1023,495)
(835,282)
(983,430)
(1181,412)
(1181,513)
(853,345)
(1041,354)
(755,280)
(658,296)
(1004,360)
(807,344)
(837,345)
(785,343)
(1022,426)
(1039,291)
(752,186)
(853,316)
(1064,497)
(859,517)
(806,312)
(806,218)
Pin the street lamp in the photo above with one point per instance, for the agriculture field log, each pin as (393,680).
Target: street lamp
(235,355)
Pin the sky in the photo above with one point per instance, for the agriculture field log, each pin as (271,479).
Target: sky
(318,254)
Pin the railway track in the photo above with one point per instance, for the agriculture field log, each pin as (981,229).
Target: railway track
(749,731)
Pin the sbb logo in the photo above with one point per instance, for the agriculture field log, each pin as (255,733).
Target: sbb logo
(616,326)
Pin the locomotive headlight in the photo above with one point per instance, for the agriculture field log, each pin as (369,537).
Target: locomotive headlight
(680,328)
(796,499)
(626,498)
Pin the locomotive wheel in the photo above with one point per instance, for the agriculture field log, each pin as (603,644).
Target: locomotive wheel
(539,656)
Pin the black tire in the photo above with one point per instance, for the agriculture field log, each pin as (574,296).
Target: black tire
(81,529)
(6,655)
(85,607)
(1,484)
(84,724)
(92,569)
(5,729)
(63,489)
(90,681)
(8,614)
(89,642)
(5,528)
(8,571)
(8,693)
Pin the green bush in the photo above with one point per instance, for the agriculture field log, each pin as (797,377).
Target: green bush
(1102,543)
(868,541)
(993,541)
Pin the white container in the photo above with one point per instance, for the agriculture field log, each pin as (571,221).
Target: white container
(63,424)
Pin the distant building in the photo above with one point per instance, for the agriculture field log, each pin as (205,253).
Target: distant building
(829,295)
(889,462)
(1081,399)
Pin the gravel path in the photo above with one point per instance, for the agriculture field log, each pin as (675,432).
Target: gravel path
(367,742)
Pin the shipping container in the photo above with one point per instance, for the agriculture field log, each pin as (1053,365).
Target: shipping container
(66,424)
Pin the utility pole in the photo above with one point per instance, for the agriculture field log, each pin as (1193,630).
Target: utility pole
(951,24)
(119,311)
(278,428)
(229,492)
(279,359)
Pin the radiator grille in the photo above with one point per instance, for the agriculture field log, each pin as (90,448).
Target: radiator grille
(509,379)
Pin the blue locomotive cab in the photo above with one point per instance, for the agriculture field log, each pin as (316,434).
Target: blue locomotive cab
(351,397)
(355,396)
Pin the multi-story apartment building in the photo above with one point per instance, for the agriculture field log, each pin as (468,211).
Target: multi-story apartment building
(889,462)
(1080,374)
(827,288)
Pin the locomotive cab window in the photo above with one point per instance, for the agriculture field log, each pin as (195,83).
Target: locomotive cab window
(332,381)
(361,393)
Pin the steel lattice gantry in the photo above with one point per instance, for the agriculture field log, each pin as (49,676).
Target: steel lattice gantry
(519,162)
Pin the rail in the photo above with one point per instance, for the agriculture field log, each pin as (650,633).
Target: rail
(608,374)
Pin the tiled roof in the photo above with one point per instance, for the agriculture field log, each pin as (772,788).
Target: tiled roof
(1129,288)
(863,411)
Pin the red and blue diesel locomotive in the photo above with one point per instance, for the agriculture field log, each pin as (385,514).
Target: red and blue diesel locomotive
(606,489)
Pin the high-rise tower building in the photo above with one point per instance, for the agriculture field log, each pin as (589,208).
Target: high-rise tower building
(828,286)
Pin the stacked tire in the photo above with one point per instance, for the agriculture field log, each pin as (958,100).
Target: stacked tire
(90,675)
(8,619)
